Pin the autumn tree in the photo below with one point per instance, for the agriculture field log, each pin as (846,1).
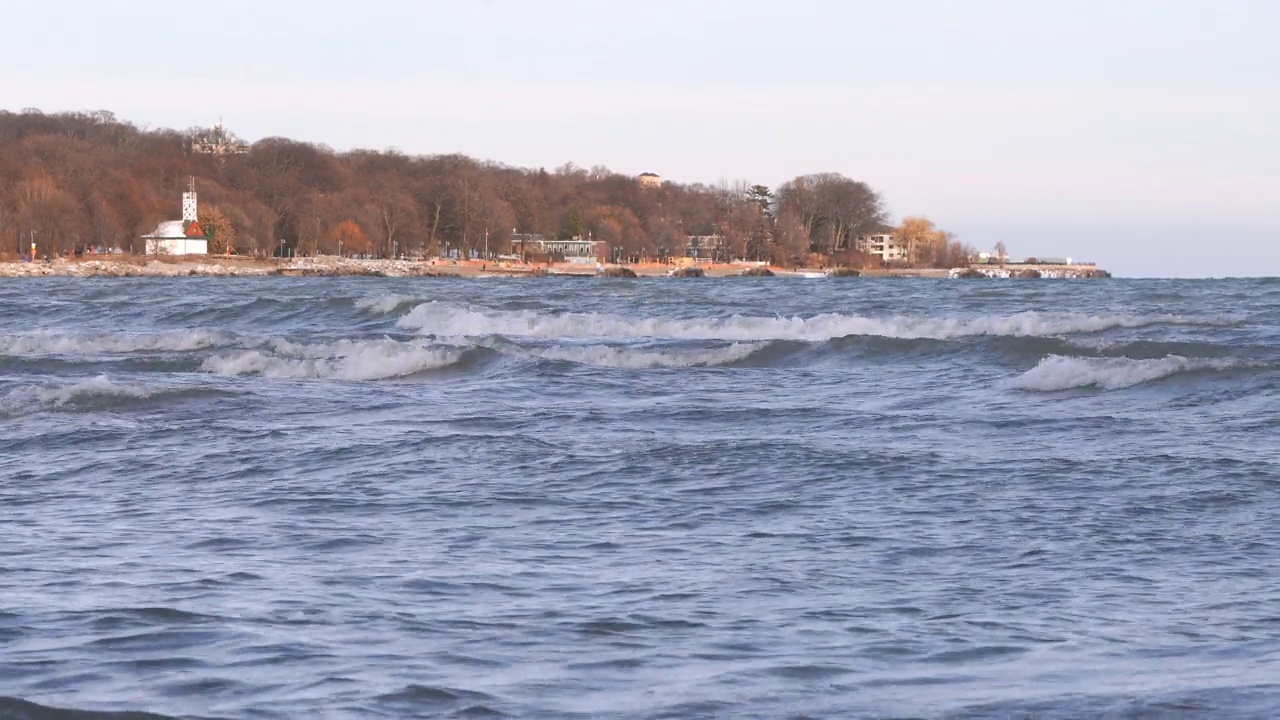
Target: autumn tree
(350,238)
(833,209)
(104,222)
(617,227)
(395,213)
(75,178)
(927,245)
(792,239)
(49,211)
(218,228)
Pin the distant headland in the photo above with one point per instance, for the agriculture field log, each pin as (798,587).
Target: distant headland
(88,194)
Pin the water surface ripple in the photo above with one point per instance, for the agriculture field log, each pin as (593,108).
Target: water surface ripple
(350,498)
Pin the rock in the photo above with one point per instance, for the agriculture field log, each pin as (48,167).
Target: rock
(619,272)
(1027,273)
(843,273)
(688,272)
(1096,273)
(757,272)
(971,274)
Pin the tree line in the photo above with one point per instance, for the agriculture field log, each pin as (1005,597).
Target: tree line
(72,181)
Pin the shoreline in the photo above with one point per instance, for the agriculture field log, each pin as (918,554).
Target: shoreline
(212,266)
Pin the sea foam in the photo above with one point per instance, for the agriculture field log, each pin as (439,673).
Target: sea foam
(72,394)
(1058,372)
(54,343)
(342,360)
(639,359)
(450,320)
(384,304)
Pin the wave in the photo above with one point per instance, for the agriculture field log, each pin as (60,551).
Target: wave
(1059,372)
(341,360)
(384,304)
(637,359)
(449,320)
(79,394)
(53,343)
(19,709)
(100,386)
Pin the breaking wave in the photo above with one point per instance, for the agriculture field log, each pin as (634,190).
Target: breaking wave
(637,359)
(384,304)
(449,320)
(98,386)
(1058,372)
(342,360)
(84,394)
(53,343)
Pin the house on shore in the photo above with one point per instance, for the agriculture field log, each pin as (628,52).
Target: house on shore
(706,247)
(650,180)
(179,237)
(883,244)
(573,250)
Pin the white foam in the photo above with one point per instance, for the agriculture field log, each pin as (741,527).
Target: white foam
(448,320)
(53,343)
(1058,372)
(631,358)
(100,386)
(383,304)
(342,360)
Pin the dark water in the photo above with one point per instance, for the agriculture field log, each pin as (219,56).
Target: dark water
(766,498)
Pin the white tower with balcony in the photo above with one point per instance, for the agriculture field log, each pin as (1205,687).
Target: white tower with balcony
(189,211)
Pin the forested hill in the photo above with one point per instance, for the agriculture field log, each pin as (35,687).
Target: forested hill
(81,179)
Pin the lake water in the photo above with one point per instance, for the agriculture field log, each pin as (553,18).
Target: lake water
(580,498)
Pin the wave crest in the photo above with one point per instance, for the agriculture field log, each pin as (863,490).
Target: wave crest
(638,359)
(1059,372)
(72,395)
(448,320)
(54,343)
(384,304)
(342,360)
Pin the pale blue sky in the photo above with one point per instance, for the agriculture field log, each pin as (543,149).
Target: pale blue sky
(1142,134)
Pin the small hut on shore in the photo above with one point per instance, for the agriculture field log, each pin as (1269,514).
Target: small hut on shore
(179,237)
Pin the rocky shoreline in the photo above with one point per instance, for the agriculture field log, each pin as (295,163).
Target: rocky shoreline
(304,267)
(346,267)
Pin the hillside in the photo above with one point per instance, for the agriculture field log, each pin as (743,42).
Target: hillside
(79,180)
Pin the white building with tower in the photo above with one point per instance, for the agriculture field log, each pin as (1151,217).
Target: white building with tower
(180,237)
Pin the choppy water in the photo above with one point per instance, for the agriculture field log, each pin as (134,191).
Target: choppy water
(640,499)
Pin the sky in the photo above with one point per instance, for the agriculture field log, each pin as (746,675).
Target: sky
(1143,134)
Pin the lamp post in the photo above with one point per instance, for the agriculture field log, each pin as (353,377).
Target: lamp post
(282,249)
(339,248)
